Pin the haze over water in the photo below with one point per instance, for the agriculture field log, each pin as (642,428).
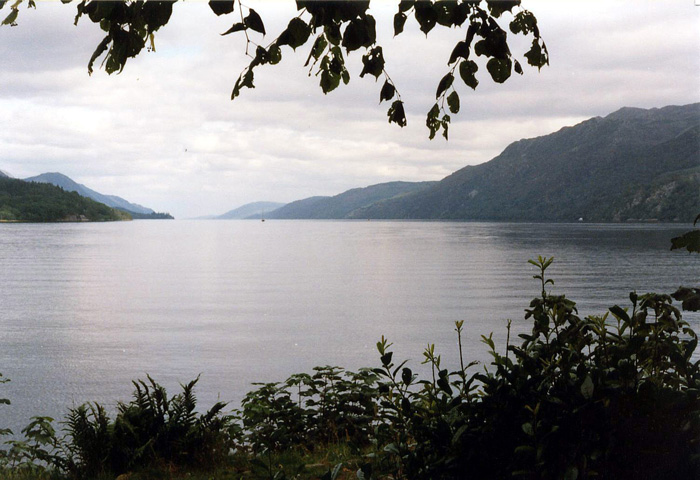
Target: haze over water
(86,308)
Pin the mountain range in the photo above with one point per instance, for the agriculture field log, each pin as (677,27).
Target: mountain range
(632,165)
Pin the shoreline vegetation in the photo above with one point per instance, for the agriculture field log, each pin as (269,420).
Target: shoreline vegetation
(22,201)
(615,396)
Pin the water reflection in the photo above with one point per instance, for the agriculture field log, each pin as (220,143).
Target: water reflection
(86,308)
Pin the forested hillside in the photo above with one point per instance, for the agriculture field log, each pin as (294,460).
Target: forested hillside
(42,202)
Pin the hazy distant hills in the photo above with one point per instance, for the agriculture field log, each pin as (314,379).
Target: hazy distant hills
(346,204)
(40,202)
(634,164)
(250,210)
(5,174)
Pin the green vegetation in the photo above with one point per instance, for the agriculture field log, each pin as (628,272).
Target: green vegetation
(146,216)
(611,396)
(40,202)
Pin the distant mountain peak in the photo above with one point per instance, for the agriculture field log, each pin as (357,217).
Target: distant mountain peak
(5,174)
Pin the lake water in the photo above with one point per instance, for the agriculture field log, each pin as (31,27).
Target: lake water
(86,308)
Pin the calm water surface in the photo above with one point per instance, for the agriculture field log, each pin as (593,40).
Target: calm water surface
(86,308)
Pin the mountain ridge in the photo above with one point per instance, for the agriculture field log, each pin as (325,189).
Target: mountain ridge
(68,184)
(583,171)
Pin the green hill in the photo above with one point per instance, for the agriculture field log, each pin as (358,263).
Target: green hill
(633,165)
(345,204)
(42,202)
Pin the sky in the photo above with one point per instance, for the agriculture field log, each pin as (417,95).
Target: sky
(165,134)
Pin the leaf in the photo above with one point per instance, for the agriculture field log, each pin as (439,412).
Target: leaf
(236,27)
(275,54)
(254,22)
(527,428)
(10,19)
(373,63)
(467,69)
(359,33)
(426,16)
(461,50)
(397,114)
(524,22)
(221,7)
(296,33)
(620,313)
(445,83)
(432,121)
(499,69)
(537,56)
(399,22)
(405,5)
(517,67)
(101,48)
(453,102)
(497,7)
(386,358)
(387,93)
(317,50)
(587,388)
(406,376)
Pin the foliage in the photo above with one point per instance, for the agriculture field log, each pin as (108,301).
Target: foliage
(152,429)
(689,240)
(335,30)
(40,202)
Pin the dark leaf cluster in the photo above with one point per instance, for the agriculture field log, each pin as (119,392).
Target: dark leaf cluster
(336,28)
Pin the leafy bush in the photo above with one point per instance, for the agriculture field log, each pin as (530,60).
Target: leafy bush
(150,430)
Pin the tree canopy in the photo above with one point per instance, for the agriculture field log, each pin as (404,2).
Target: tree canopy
(334,29)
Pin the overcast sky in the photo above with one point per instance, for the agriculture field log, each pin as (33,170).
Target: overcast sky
(164,133)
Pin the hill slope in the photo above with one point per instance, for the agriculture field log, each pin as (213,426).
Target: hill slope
(634,164)
(70,185)
(255,210)
(37,202)
(345,204)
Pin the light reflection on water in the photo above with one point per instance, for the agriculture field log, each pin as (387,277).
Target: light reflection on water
(86,308)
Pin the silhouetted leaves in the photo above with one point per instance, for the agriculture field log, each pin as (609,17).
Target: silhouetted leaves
(445,83)
(499,69)
(129,27)
(467,71)
(296,34)
(453,102)
(254,22)
(461,50)
(399,22)
(396,113)
(359,33)
(236,27)
(373,62)
(387,92)
(221,7)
